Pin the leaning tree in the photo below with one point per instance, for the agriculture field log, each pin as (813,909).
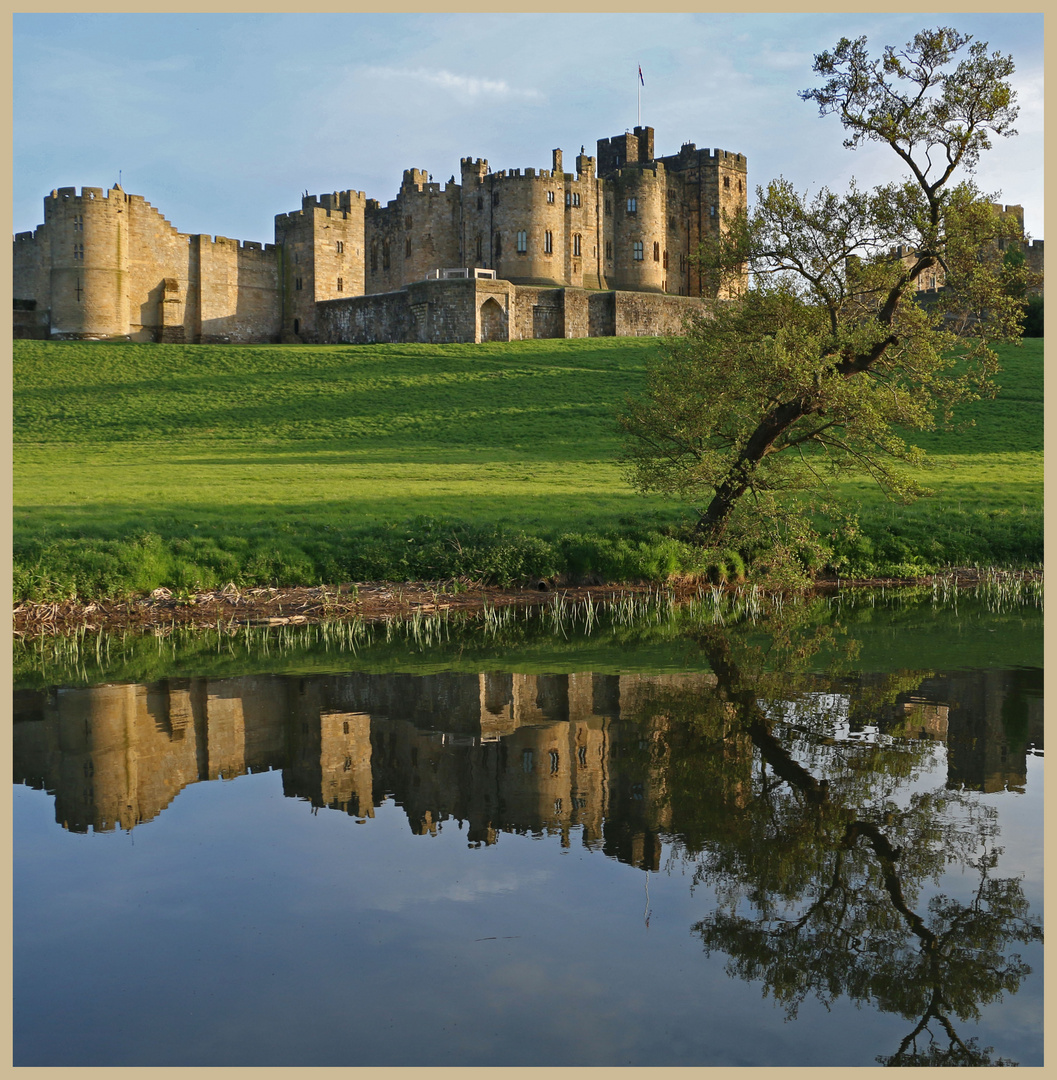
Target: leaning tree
(828,353)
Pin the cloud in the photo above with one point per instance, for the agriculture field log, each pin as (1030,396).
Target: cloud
(466,86)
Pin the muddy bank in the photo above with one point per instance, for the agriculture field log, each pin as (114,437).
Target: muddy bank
(233,607)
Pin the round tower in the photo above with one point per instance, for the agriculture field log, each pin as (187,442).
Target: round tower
(89,262)
(530,219)
(639,229)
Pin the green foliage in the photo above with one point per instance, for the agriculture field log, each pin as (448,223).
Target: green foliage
(819,369)
(1033,317)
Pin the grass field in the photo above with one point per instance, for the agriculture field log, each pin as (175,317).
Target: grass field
(186,466)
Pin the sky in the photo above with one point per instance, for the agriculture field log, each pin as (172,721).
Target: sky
(223,121)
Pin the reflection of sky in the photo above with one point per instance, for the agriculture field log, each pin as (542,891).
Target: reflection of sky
(242,928)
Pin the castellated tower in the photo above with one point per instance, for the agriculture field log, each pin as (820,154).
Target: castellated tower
(659,210)
(713,187)
(322,247)
(414,234)
(88,248)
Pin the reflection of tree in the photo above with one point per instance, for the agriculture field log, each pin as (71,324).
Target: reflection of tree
(818,847)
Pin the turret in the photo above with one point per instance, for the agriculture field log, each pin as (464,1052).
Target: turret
(89,262)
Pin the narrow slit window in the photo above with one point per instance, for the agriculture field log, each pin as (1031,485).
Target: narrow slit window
(548,242)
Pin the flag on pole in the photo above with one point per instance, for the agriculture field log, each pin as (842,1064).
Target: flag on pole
(641,79)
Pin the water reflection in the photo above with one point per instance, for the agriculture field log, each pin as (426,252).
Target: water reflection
(821,877)
(503,752)
(821,813)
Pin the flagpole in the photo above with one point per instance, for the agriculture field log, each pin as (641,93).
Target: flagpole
(638,95)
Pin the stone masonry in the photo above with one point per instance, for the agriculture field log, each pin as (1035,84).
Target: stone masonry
(605,250)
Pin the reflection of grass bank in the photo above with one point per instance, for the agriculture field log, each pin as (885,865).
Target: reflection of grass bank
(996,624)
(138,466)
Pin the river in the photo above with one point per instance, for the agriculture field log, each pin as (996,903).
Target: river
(653,835)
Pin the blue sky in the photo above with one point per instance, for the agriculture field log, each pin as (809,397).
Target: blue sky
(222,121)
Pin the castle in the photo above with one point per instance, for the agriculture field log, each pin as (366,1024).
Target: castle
(497,256)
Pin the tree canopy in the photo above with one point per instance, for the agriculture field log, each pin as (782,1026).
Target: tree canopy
(829,354)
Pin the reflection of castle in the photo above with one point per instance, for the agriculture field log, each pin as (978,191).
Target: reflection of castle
(503,753)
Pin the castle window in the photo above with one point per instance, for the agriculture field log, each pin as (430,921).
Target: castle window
(572,198)
(345,727)
(498,245)
(633,205)
(526,761)
(385,255)
(297,330)
(550,196)
(297,283)
(554,760)
(739,186)
(548,242)
(712,210)
(522,241)
(576,244)
(78,223)
(656,251)
(609,250)
(726,181)
(341,246)
(78,251)
(479,246)
(636,251)
(666,259)
(341,284)
(407,247)
(374,254)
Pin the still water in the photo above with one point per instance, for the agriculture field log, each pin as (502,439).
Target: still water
(804,837)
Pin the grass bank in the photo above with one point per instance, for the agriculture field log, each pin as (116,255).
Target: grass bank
(138,466)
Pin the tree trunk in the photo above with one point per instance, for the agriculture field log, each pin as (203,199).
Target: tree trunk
(713,521)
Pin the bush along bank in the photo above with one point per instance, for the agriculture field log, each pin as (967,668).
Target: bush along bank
(428,549)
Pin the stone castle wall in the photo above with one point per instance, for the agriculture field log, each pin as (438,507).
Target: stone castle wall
(108,265)
(471,310)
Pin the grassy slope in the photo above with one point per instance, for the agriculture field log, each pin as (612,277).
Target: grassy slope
(296,464)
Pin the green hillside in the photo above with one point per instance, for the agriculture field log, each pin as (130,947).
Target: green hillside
(143,465)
